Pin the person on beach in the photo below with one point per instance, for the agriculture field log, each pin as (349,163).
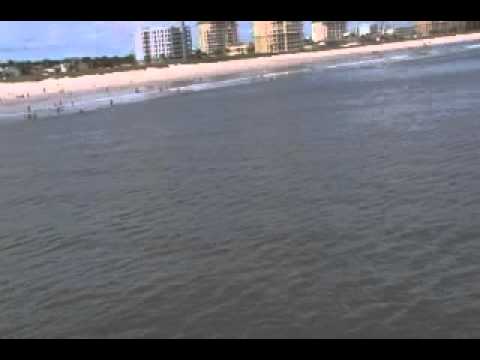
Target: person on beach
(111,102)
(29,109)
(44,90)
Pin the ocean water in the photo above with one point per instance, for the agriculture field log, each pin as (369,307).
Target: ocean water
(343,201)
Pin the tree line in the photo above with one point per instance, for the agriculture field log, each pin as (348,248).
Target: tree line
(72,64)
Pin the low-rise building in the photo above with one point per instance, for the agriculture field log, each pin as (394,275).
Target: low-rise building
(239,49)
(64,67)
(50,71)
(9,71)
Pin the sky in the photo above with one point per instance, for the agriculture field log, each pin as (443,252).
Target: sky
(36,40)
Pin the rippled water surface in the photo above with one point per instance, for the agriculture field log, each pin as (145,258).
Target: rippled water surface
(344,202)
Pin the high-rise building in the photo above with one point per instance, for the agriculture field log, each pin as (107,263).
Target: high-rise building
(319,31)
(332,30)
(215,36)
(274,37)
(328,30)
(155,43)
(231,33)
(425,28)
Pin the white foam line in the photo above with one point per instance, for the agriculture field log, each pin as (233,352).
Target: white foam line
(354,63)
(284,73)
(211,85)
(399,57)
(232,82)
(13,114)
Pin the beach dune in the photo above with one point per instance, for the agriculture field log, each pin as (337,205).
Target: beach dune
(10,92)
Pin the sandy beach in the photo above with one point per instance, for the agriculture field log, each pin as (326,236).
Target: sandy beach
(11,93)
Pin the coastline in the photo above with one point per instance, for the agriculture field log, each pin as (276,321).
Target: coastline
(28,93)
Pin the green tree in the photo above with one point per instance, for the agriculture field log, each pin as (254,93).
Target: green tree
(219,52)
(130,59)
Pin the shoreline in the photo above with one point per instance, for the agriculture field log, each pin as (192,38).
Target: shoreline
(29,93)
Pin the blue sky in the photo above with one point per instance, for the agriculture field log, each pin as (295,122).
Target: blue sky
(30,40)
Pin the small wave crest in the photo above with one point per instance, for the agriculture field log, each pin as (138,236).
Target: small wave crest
(356,63)
(473,46)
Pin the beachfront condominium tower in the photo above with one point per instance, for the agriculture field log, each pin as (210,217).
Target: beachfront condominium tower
(156,43)
(319,31)
(232,33)
(423,27)
(328,30)
(426,28)
(215,36)
(274,37)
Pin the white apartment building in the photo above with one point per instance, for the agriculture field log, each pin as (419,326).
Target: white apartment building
(154,43)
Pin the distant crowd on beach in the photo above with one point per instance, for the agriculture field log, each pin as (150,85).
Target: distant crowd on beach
(60,104)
